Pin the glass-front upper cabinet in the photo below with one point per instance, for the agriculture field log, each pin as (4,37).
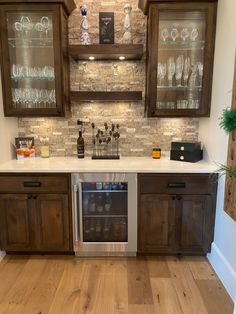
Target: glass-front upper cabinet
(180,52)
(34,59)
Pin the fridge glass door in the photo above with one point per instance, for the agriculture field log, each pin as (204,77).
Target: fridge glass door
(104,211)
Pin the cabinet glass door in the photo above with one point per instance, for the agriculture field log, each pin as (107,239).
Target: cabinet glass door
(105,211)
(180,64)
(31,53)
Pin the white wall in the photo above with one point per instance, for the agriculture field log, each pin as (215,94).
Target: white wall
(8,132)
(223,255)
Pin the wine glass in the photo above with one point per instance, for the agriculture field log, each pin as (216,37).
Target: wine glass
(179,67)
(161,72)
(164,34)
(194,34)
(200,71)
(174,34)
(187,66)
(193,76)
(184,34)
(171,70)
(47,25)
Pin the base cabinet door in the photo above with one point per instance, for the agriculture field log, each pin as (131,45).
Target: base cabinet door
(16,223)
(156,223)
(53,222)
(196,220)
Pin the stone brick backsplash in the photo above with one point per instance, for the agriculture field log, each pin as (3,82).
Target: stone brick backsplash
(138,134)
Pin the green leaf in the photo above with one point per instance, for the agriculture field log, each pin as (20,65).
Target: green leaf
(228,120)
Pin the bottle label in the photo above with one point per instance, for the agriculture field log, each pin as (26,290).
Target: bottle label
(80,151)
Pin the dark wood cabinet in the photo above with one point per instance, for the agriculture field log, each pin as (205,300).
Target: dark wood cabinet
(15,222)
(38,218)
(176,213)
(53,231)
(180,55)
(157,223)
(34,57)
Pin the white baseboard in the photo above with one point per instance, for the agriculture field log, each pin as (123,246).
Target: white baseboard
(224,271)
(2,254)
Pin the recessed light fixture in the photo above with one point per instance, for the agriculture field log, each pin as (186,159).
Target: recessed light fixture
(91,58)
(122,58)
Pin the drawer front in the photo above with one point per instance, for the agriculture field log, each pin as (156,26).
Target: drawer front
(177,183)
(34,183)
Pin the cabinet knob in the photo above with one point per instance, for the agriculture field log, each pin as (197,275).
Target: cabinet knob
(29,197)
(173,198)
(35,197)
(179,198)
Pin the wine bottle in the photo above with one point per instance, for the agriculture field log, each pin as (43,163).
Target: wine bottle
(80,145)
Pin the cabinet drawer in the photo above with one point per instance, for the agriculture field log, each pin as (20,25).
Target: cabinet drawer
(34,183)
(177,183)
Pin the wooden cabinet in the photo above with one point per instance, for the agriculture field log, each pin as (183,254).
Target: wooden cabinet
(180,54)
(15,222)
(176,213)
(156,223)
(38,218)
(34,57)
(52,216)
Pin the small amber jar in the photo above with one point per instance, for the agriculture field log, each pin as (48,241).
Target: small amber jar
(156,153)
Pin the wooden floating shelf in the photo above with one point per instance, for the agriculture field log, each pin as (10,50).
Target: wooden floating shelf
(106,52)
(105,96)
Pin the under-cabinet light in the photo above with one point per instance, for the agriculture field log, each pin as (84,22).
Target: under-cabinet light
(122,58)
(91,58)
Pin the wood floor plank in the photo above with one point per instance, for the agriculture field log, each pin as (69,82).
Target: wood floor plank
(158,267)
(165,297)
(112,293)
(142,309)
(42,295)
(215,297)
(188,294)
(200,267)
(16,299)
(69,285)
(10,271)
(139,286)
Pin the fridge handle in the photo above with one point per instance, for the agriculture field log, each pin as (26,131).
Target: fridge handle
(75,213)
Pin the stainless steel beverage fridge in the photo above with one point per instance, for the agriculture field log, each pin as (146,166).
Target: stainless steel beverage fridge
(105,214)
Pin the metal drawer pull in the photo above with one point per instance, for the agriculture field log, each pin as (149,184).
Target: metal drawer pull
(176,185)
(32,184)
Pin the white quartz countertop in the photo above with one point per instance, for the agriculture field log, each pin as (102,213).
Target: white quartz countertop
(125,164)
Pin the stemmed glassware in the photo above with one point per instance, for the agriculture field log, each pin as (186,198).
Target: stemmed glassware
(200,71)
(179,67)
(194,34)
(161,72)
(26,97)
(184,34)
(171,70)
(174,34)
(164,34)
(187,66)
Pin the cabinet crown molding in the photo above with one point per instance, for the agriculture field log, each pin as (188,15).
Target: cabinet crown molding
(144,4)
(69,5)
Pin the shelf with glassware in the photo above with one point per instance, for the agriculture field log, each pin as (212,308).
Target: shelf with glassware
(180,51)
(33,54)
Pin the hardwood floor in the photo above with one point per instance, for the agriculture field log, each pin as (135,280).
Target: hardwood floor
(58,285)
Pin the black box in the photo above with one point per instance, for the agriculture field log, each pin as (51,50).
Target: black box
(106,27)
(183,151)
